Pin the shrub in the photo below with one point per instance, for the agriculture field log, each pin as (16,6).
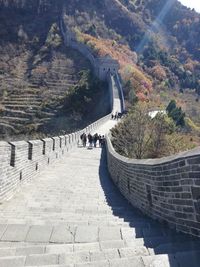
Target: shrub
(139,136)
(176,113)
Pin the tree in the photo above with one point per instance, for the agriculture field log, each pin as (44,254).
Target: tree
(130,92)
(139,136)
(171,106)
(131,137)
(162,127)
(176,113)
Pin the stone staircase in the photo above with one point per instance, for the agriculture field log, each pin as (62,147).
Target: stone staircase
(73,215)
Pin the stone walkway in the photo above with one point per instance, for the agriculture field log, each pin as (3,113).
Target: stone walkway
(73,215)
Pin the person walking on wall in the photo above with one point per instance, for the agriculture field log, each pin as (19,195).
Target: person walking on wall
(90,140)
(95,139)
(103,141)
(84,140)
(100,139)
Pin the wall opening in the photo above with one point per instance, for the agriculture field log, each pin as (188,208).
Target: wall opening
(53,144)
(196,198)
(56,155)
(30,151)
(65,140)
(149,196)
(36,166)
(44,148)
(48,161)
(20,176)
(129,186)
(60,142)
(63,152)
(12,156)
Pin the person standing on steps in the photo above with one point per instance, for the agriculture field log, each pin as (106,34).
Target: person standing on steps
(103,141)
(100,140)
(90,140)
(81,137)
(95,139)
(84,140)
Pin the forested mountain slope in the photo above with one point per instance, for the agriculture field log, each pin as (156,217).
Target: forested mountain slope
(163,35)
(37,72)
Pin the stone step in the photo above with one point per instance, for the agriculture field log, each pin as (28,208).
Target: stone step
(93,252)
(56,265)
(50,222)
(77,211)
(58,234)
(71,234)
(66,248)
(12,261)
(55,260)
(38,221)
(100,251)
(72,258)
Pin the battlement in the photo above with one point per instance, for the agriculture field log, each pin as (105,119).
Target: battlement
(22,161)
(102,66)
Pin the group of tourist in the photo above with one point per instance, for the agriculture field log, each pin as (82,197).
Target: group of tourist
(92,140)
(116,116)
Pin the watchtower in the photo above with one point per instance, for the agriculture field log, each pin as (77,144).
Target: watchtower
(106,65)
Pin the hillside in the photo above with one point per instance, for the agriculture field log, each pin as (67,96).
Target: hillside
(155,41)
(165,36)
(36,73)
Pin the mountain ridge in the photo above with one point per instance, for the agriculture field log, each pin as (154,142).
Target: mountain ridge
(165,36)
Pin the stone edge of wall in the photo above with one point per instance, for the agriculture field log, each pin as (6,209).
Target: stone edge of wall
(166,189)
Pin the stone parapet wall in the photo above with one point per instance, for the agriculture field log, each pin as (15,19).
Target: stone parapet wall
(101,66)
(84,50)
(119,85)
(166,189)
(22,161)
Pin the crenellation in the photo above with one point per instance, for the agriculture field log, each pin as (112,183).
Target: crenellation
(30,158)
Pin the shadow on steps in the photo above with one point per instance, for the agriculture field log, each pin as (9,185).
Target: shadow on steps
(181,249)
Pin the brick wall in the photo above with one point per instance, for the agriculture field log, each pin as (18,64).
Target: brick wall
(166,189)
(22,161)
(101,66)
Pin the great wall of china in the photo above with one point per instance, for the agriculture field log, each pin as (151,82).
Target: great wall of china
(165,189)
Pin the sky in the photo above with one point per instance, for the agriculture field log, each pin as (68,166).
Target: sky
(192,4)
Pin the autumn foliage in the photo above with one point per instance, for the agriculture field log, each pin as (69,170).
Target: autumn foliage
(127,59)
